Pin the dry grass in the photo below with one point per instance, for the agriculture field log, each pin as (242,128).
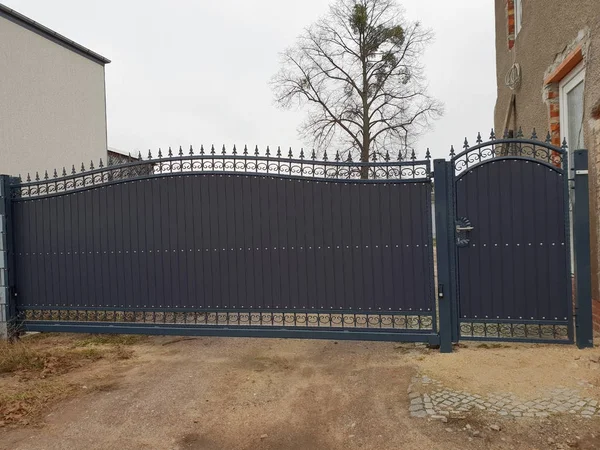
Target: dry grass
(33,370)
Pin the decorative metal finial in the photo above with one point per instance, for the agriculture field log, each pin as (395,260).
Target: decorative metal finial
(427,154)
(149,154)
(28,177)
(64,172)
(466,144)
(234,151)
(492,135)
(268,152)
(37,176)
(212,149)
(278,151)
(505,136)
(180,151)
(564,145)
(201,149)
(548,138)
(413,156)
(82,167)
(301,153)
(159,153)
(91,165)
(337,155)
(313,155)
(534,135)
(374,157)
(520,133)
(400,157)
(223,152)
(325,155)
(452,151)
(170,154)
(55,174)
(73,171)
(191,150)
(479,140)
(256,153)
(387,156)
(349,159)
(290,154)
(101,164)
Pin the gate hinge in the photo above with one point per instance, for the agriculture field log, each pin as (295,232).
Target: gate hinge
(440,290)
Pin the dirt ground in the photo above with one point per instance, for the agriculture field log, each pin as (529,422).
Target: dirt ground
(233,393)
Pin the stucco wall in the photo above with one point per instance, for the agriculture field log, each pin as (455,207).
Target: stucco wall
(52,104)
(549,27)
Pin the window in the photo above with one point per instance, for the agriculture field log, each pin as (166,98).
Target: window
(571,89)
(518,16)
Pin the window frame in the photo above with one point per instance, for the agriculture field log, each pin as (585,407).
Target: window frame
(518,6)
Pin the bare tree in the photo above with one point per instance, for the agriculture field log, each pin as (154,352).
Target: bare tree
(359,71)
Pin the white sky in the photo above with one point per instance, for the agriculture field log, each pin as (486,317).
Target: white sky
(197,71)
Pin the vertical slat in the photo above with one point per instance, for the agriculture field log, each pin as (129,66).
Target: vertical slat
(285,225)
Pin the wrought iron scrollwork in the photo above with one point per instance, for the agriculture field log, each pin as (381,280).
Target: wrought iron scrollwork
(195,164)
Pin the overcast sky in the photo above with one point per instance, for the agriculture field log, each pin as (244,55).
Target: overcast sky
(197,71)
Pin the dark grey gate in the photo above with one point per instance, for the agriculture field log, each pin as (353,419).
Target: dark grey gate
(228,244)
(511,231)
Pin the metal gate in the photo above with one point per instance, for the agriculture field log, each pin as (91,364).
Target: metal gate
(507,242)
(229,244)
(240,244)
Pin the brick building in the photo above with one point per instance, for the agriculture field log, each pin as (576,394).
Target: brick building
(548,78)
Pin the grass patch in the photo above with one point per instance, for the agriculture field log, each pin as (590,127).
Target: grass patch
(110,339)
(32,370)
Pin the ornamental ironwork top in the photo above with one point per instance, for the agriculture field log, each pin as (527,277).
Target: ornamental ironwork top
(380,168)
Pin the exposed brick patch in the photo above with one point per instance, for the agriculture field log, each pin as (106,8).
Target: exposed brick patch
(596,111)
(510,20)
(596,315)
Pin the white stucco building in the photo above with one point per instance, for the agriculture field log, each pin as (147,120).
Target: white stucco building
(52,99)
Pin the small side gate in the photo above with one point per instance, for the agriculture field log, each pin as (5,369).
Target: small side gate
(239,244)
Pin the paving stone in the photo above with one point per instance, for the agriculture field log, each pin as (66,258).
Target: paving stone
(431,412)
(419,414)
(415,408)
(503,413)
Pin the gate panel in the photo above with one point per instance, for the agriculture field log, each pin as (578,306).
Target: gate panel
(214,247)
(512,245)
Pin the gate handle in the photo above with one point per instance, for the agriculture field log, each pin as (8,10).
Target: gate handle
(459,228)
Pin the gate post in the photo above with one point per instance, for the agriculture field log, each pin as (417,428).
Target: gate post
(442,171)
(7,306)
(584,333)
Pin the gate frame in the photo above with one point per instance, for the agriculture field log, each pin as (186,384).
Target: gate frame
(384,171)
(445,175)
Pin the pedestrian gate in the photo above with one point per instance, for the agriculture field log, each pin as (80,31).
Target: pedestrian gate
(243,244)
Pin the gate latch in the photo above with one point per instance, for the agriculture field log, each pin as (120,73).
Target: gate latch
(463,226)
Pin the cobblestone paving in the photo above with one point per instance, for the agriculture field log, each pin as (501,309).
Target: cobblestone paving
(429,398)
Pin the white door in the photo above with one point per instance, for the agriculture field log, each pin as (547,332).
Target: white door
(571,90)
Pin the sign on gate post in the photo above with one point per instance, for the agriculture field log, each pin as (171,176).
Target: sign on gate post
(581,242)
(443,210)
(7,312)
